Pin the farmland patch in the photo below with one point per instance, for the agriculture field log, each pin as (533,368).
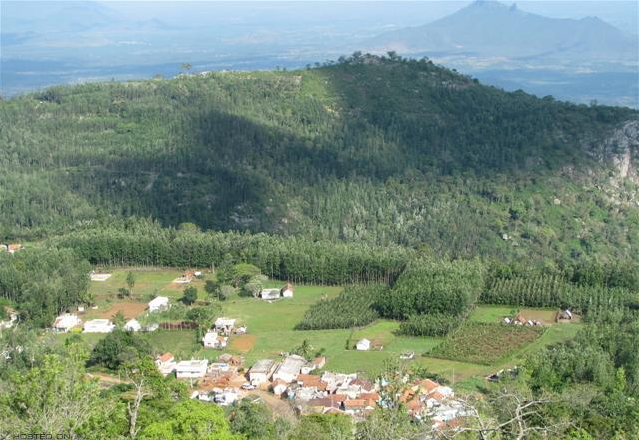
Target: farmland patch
(242,343)
(486,344)
(130,310)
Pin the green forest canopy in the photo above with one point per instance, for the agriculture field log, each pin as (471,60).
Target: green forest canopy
(373,149)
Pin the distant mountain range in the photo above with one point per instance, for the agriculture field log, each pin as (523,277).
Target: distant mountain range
(49,43)
(491,29)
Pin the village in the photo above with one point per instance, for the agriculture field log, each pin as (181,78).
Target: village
(302,383)
(243,354)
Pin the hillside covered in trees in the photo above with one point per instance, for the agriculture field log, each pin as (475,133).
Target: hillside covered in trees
(380,150)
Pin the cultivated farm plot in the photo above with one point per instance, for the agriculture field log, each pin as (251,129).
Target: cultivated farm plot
(242,343)
(129,309)
(486,344)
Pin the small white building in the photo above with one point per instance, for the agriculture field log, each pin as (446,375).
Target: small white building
(133,326)
(193,369)
(212,340)
(66,322)
(316,363)
(158,304)
(287,291)
(219,367)
(98,326)
(226,397)
(290,368)
(269,294)
(279,387)
(225,325)
(261,371)
(165,363)
(363,345)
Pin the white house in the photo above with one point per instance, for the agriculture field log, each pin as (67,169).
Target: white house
(66,322)
(290,368)
(165,363)
(212,340)
(194,368)
(226,397)
(270,294)
(133,326)
(98,326)
(287,291)
(261,371)
(158,303)
(279,387)
(363,345)
(225,325)
(316,363)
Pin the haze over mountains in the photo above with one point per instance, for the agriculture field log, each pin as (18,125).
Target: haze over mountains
(584,59)
(492,29)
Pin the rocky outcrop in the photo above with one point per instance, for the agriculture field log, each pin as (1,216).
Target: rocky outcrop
(623,147)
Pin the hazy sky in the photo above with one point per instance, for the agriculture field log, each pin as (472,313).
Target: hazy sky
(623,14)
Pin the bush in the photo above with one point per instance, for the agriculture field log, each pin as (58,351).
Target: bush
(117,348)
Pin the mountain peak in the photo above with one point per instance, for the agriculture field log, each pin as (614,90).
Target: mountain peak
(487,4)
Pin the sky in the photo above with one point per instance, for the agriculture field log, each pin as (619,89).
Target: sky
(623,14)
(47,42)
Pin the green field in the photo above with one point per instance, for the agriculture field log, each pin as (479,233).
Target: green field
(271,330)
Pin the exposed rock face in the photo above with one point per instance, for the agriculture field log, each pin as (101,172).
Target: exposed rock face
(623,145)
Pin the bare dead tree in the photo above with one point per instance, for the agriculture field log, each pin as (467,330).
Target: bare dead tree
(509,415)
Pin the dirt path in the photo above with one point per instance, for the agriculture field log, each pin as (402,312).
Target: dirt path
(279,406)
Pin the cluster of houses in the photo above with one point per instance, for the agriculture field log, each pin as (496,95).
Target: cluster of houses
(520,320)
(67,321)
(328,393)
(215,379)
(339,393)
(426,399)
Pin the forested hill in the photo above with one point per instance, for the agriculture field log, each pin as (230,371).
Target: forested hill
(375,149)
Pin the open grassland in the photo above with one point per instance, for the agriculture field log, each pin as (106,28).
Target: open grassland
(465,358)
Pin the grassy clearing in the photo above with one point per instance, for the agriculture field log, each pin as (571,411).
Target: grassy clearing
(151,282)
(547,316)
